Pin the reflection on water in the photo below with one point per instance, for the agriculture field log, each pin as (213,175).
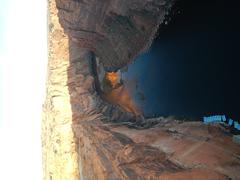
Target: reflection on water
(192,68)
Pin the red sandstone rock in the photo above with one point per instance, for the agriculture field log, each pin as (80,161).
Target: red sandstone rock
(82,135)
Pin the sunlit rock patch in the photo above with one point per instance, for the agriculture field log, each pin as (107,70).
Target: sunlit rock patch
(115,92)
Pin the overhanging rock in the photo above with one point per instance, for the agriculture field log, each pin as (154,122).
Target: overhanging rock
(116,30)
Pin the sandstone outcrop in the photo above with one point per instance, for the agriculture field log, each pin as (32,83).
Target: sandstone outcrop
(115,30)
(83,136)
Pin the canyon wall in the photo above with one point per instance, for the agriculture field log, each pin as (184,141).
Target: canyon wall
(83,136)
(115,30)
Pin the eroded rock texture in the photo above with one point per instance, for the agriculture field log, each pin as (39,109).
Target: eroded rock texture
(83,137)
(116,30)
(59,148)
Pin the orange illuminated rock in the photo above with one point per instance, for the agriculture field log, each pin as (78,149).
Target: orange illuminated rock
(121,96)
(113,78)
(116,93)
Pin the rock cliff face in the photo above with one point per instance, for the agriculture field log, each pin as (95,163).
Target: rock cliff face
(116,30)
(84,137)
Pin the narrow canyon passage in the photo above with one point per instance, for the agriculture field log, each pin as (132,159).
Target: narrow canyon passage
(91,125)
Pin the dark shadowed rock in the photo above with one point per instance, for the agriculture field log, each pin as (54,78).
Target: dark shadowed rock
(116,30)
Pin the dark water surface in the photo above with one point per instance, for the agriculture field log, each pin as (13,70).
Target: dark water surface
(193,66)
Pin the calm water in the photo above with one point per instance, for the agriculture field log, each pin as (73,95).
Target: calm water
(193,67)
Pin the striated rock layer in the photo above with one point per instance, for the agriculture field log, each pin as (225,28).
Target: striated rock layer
(115,30)
(84,137)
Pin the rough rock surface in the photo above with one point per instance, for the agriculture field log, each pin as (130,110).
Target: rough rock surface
(116,30)
(59,148)
(83,137)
